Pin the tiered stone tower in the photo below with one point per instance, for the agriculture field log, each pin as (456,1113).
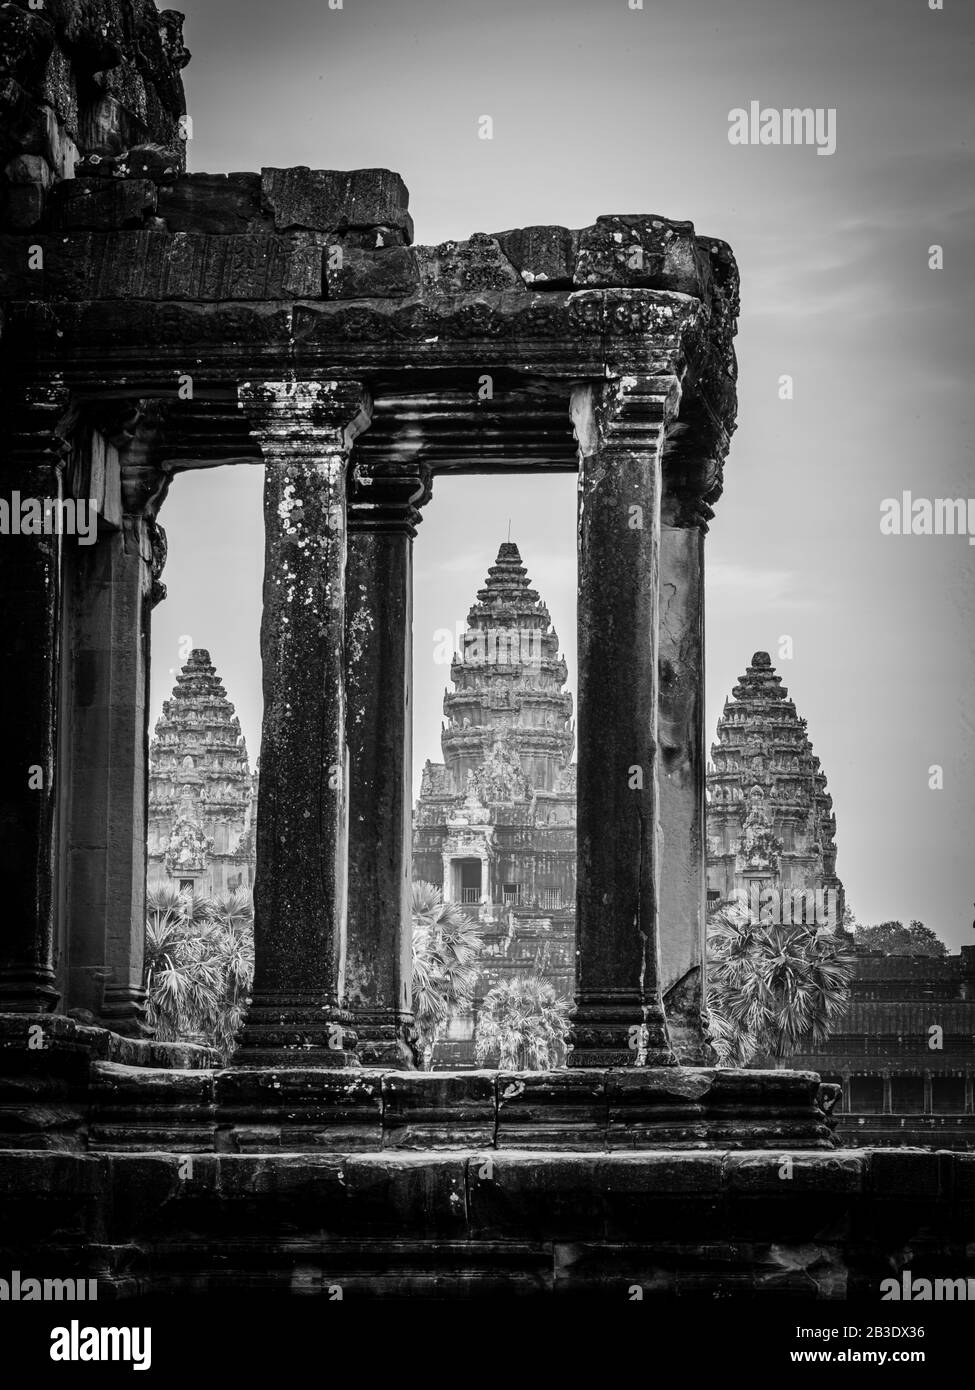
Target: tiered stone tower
(508,683)
(770,817)
(495,824)
(202,796)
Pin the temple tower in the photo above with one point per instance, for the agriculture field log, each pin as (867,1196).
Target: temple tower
(202,795)
(508,683)
(495,825)
(770,818)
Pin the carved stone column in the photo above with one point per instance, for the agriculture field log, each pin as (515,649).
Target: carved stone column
(688,491)
(111,588)
(383,517)
(618,1018)
(306,431)
(30,582)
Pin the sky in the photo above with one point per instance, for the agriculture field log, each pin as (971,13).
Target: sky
(601,108)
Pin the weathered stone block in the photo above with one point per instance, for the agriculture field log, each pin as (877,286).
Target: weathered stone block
(441,1109)
(329,199)
(29,168)
(23,207)
(212,203)
(544,257)
(642,252)
(466,267)
(782,1175)
(557,1110)
(21,277)
(300,1107)
(408,1193)
(157,265)
(372,238)
(547,1196)
(354,274)
(163,164)
(26,41)
(909,1173)
(93,31)
(663,1195)
(98,205)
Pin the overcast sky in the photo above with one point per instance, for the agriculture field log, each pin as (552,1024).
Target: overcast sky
(599,108)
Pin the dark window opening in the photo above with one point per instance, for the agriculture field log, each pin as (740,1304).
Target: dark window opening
(948,1095)
(867,1094)
(907,1095)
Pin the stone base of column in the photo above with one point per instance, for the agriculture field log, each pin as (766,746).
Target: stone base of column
(296,1030)
(123,1011)
(614,1031)
(383,1041)
(28,990)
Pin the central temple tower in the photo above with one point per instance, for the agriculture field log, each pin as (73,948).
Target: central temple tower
(508,684)
(495,825)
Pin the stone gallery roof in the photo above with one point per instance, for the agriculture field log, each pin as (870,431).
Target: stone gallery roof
(118,266)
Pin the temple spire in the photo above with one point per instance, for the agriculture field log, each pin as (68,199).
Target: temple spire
(508,679)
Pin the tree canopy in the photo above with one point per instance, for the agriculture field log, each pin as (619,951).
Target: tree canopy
(894,939)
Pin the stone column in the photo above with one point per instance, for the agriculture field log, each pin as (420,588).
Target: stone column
(383,516)
(111,589)
(618,1018)
(30,582)
(685,512)
(306,431)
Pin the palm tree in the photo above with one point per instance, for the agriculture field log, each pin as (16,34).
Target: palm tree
(523,1026)
(199,966)
(232,937)
(182,981)
(772,989)
(446,945)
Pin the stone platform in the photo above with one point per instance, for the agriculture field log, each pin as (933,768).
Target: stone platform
(482,1223)
(70,1088)
(141,1165)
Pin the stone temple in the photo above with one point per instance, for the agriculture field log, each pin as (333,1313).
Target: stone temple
(495,824)
(770,818)
(155,322)
(202,794)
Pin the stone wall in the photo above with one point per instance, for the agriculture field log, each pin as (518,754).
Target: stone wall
(471,1224)
(89,88)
